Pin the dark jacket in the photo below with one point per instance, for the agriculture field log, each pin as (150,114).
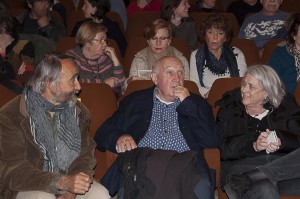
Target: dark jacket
(21,160)
(239,138)
(113,32)
(133,117)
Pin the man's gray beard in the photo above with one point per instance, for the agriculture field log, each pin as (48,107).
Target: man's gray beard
(72,100)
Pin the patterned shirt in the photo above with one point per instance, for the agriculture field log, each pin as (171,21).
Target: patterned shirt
(164,132)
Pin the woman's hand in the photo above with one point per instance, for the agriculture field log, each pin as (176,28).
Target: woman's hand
(133,78)
(261,142)
(112,82)
(110,51)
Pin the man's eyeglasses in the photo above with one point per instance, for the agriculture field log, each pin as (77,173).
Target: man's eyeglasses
(101,41)
(161,39)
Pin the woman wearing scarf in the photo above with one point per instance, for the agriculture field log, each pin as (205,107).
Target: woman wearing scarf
(159,36)
(215,58)
(286,57)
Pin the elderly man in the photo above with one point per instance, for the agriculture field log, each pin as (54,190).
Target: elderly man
(166,116)
(266,24)
(46,152)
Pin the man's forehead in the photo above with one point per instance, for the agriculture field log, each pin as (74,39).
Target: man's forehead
(171,63)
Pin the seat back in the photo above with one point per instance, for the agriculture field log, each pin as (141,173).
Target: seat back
(102,103)
(290,6)
(137,22)
(114,16)
(7,94)
(219,87)
(73,18)
(65,43)
(270,46)
(200,17)
(249,49)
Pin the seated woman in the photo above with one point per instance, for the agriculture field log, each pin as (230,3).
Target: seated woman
(95,10)
(177,12)
(215,58)
(97,61)
(159,36)
(205,6)
(17,56)
(248,116)
(286,57)
(143,5)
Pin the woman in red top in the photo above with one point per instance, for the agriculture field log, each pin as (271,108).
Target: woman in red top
(143,5)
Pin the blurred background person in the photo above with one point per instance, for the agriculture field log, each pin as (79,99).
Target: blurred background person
(286,57)
(97,61)
(143,5)
(215,58)
(248,115)
(95,10)
(242,8)
(205,6)
(17,55)
(177,12)
(159,38)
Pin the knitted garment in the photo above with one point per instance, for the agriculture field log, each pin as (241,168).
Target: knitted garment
(60,145)
(227,61)
(296,54)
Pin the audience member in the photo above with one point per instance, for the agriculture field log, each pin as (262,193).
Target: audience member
(283,170)
(249,115)
(17,55)
(166,116)
(205,6)
(143,5)
(265,25)
(95,10)
(39,22)
(286,57)
(97,60)
(242,8)
(119,7)
(215,58)
(52,154)
(159,36)
(177,12)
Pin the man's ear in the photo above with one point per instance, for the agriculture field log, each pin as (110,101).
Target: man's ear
(154,77)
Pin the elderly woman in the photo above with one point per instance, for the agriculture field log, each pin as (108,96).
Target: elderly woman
(177,12)
(260,124)
(16,55)
(97,61)
(95,10)
(159,36)
(286,57)
(215,58)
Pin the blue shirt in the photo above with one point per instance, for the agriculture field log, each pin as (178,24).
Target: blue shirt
(163,132)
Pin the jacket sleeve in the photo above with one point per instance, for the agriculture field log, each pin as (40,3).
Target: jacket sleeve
(197,116)
(53,30)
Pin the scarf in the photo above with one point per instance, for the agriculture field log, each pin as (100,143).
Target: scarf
(152,58)
(296,54)
(205,59)
(60,145)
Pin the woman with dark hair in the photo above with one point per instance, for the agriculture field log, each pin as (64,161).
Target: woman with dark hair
(96,10)
(286,57)
(260,123)
(177,12)
(215,58)
(16,55)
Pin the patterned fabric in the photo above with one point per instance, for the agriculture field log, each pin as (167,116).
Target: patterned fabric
(296,53)
(163,132)
(226,63)
(60,142)
(96,70)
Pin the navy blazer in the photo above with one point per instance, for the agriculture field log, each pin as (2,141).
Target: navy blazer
(196,123)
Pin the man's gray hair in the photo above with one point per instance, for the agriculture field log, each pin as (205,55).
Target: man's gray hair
(48,69)
(270,82)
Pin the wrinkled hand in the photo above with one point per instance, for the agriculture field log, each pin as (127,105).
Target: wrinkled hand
(110,51)
(43,21)
(125,143)
(181,92)
(112,81)
(66,195)
(273,146)
(261,142)
(79,183)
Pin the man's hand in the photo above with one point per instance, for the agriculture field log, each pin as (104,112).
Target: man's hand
(181,92)
(125,143)
(77,184)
